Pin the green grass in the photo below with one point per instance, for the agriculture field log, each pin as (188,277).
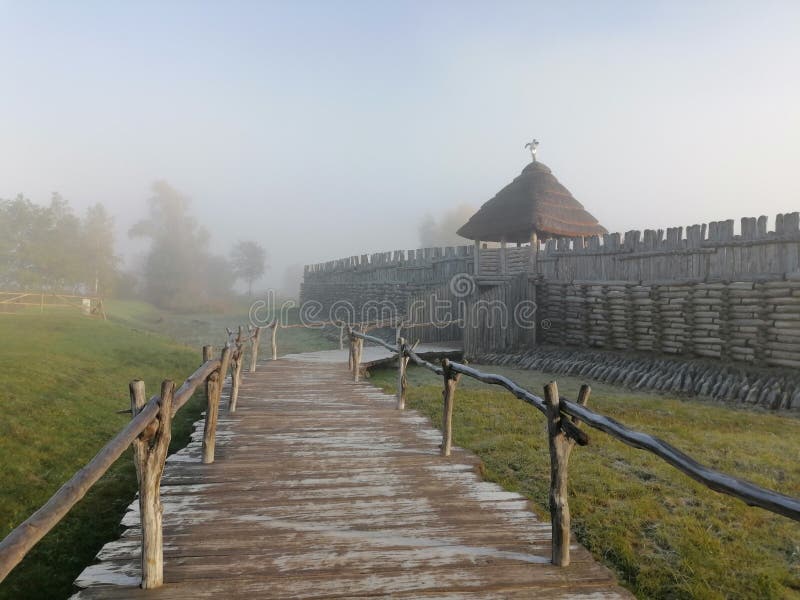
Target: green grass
(64,376)
(666,535)
(198,329)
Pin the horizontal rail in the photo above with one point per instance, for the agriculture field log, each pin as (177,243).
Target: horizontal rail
(25,536)
(375,340)
(748,492)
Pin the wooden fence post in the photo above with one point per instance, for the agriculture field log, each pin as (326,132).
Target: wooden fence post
(149,454)
(560,448)
(213,393)
(358,349)
(449,394)
(402,382)
(236,372)
(254,349)
(275,339)
(341,336)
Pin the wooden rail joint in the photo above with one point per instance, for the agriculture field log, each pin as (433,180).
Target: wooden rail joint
(562,434)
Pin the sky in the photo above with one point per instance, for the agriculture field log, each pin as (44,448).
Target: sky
(327,129)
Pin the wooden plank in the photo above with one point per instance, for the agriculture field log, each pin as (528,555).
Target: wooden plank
(321,488)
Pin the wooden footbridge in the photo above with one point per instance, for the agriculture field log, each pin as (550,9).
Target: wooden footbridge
(308,483)
(321,488)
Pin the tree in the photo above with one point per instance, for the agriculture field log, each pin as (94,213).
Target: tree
(249,262)
(443,232)
(98,249)
(49,248)
(176,269)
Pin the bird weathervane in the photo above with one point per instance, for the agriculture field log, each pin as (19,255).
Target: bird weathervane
(533,145)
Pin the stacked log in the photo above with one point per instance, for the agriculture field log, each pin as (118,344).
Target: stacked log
(774,389)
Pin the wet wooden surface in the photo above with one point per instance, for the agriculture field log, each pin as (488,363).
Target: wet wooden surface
(376,355)
(322,489)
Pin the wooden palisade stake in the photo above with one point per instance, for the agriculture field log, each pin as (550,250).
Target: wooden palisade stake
(236,372)
(254,349)
(560,448)
(402,383)
(449,394)
(149,454)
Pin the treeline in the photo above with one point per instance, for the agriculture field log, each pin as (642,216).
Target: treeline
(50,248)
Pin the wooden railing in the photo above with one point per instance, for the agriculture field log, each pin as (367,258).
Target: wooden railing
(564,418)
(89,304)
(149,433)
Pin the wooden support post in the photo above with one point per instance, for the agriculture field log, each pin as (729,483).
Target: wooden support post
(341,336)
(476,255)
(254,349)
(149,454)
(449,394)
(402,383)
(357,352)
(213,393)
(503,258)
(352,346)
(534,267)
(275,339)
(560,448)
(236,372)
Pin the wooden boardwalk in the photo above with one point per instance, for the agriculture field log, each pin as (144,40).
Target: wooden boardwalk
(322,489)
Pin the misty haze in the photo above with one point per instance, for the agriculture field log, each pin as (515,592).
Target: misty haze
(399,299)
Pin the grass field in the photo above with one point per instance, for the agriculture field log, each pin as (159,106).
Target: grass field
(65,375)
(666,535)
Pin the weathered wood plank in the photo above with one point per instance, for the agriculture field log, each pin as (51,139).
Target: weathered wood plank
(321,488)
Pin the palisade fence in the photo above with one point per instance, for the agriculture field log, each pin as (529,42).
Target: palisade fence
(703,292)
(564,418)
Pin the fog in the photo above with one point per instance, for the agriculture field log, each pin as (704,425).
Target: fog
(325,129)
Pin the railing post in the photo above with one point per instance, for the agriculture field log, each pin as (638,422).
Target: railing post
(149,454)
(236,372)
(254,349)
(275,339)
(358,348)
(402,383)
(449,394)
(560,448)
(213,393)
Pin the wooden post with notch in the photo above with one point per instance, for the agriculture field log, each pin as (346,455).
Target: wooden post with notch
(275,339)
(402,382)
(449,395)
(254,349)
(236,372)
(149,455)
(213,394)
(560,448)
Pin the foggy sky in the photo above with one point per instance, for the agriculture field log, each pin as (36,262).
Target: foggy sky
(324,129)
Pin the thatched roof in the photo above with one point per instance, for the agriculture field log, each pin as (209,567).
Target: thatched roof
(534,201)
